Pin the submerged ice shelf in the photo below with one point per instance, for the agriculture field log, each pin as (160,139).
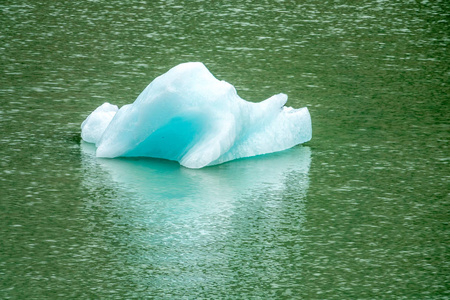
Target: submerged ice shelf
(189,116)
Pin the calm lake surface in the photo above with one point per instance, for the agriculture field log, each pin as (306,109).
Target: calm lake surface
(359,212)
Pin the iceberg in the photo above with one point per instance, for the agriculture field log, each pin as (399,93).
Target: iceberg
(189,116)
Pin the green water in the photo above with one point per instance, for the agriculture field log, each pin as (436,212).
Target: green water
(359,212)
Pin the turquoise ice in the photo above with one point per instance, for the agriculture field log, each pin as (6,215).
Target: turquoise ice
(189,116)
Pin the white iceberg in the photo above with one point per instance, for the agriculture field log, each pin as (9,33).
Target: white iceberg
(95,124)
(189,116)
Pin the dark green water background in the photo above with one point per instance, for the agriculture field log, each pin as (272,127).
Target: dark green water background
(359,212)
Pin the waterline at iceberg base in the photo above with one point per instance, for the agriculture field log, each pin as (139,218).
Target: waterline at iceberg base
(189,116)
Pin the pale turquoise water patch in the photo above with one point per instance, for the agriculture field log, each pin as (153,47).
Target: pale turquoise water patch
(368,219)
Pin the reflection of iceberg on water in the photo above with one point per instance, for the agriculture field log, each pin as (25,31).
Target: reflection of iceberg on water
(189,116)
(195,228)
(161,179)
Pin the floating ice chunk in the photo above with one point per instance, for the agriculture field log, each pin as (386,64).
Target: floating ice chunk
(96,123)
(189,116)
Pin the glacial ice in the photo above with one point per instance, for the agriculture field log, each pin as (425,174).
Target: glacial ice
(189,116)
(96,123)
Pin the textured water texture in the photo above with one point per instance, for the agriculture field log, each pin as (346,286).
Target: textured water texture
(189,116)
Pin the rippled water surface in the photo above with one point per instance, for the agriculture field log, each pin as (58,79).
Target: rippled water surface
(360,211)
